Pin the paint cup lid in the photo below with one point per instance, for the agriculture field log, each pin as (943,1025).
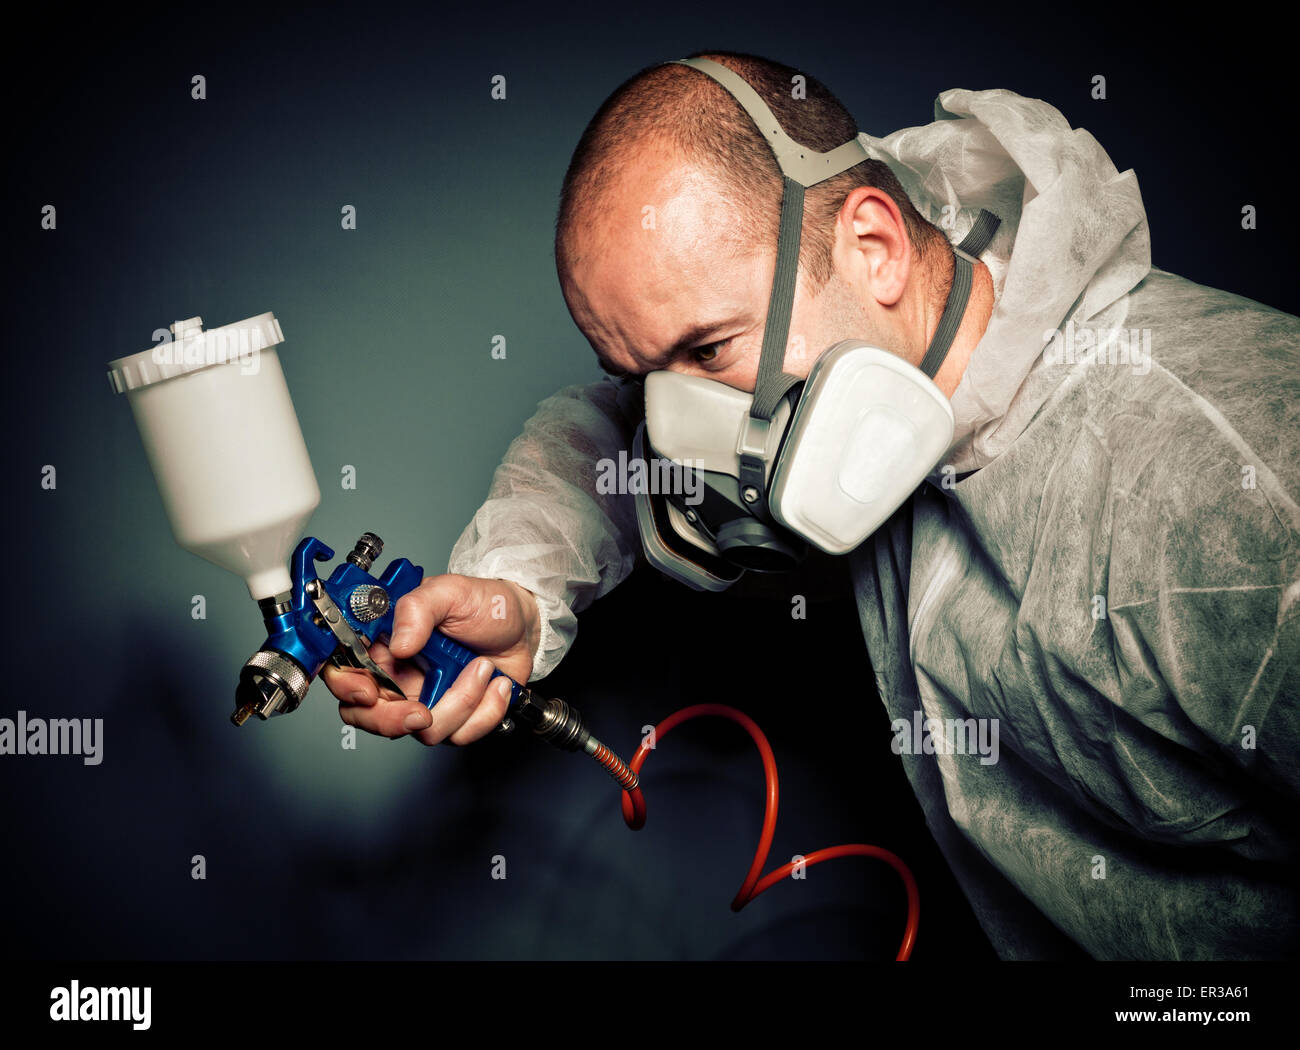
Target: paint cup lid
(191,349)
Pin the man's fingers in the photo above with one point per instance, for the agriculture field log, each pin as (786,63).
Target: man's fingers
(459,702)
(487,716)
(420,611)
(468,711)
(349,685)
(355,685)
(380,653)
(393,718)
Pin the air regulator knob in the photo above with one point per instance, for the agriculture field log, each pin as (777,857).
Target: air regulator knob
(368,602)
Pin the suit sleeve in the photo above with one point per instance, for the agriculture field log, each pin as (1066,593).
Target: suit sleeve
(545,525)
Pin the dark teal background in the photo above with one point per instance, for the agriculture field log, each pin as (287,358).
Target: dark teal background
(228,207)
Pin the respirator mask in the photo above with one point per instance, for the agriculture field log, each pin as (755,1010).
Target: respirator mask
(823,461)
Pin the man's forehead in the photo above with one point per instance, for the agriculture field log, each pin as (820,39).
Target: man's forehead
(664,255)
(636,312)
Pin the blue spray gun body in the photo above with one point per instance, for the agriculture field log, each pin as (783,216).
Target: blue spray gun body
(336,620)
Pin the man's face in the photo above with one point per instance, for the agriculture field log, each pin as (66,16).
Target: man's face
(664,280)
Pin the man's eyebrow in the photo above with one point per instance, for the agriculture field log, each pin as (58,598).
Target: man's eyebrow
(687,341)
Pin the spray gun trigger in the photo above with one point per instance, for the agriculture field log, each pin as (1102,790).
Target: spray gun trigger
(351,650)
(344,657)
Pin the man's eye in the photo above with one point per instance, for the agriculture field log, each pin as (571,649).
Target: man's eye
(705,353)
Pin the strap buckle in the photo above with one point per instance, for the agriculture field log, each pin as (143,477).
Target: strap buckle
(753,438)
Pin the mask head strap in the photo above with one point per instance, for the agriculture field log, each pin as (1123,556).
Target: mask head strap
(802,167)
(965,256)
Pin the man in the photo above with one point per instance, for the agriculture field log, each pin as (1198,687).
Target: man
(1104,565)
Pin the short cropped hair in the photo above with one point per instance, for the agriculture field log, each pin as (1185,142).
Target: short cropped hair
(686,109)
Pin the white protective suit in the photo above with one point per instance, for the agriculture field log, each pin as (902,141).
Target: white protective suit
(1110,569)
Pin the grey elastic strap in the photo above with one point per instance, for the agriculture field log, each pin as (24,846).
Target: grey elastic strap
(801,167)
(772,381)
(965,256)
(805,166)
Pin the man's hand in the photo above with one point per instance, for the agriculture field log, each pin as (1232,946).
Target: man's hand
(495,618)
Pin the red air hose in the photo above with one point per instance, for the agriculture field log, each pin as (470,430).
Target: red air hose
(634,815)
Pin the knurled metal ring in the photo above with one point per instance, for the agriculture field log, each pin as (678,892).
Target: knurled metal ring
(281,670)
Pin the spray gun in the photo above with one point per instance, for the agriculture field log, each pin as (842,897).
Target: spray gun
(222,437)
(336,620)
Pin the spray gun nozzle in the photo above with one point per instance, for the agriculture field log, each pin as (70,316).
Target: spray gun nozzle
(270,683)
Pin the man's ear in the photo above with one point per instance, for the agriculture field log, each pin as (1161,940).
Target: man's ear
(872,248)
